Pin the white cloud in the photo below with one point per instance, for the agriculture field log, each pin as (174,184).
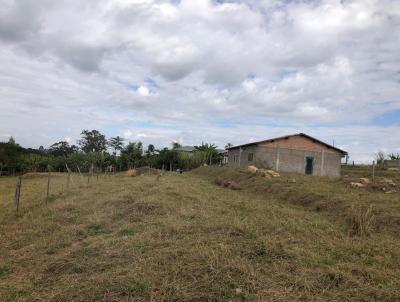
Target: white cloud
(143,91)
(167,66)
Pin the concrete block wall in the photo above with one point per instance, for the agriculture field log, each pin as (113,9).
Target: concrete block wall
(266,157)
(391,163)
(324,163)
(289,160)
(295,161)
(244,162)
(332,164)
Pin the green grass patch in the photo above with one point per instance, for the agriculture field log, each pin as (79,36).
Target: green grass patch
(131,230)
(4,271)
(97,229)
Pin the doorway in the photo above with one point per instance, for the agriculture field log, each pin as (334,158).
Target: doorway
(309,165)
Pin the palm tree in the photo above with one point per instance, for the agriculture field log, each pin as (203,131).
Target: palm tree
(117,143)
(209,150)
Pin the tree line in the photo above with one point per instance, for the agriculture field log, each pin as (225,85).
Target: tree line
(381,156)
(93,149)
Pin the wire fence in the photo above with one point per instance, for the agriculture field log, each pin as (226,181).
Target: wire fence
(25,191)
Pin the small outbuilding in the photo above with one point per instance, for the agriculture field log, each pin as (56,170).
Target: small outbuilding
(298,153)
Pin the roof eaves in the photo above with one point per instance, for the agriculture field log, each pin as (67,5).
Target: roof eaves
(287,136)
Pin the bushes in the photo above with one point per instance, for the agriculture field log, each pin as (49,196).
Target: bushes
(93,153)
(189,161)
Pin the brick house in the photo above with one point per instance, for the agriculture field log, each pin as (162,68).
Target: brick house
(298,153)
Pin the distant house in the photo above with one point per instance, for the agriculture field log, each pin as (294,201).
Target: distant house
(188,149)
(191,149)
(299,153)
(391,163)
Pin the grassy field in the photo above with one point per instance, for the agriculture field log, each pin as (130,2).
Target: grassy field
(184,238)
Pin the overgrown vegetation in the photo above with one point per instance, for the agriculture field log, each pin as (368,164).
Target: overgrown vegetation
(94,150)
(184,238)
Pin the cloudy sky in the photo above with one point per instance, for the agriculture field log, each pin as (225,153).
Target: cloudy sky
(202,70)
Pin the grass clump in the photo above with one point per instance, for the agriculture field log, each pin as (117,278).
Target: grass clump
(360,220)
(131,230)
(4,271)
(97,229)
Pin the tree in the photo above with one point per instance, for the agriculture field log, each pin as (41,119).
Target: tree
(206,147)
(380,157)
(62,149)
(117,143)
(176,145)
(10,155)
(92,141)
(210,152)
(11,141)
(150,149)
(132,154)
(167,159)
(394,156)
(228,145)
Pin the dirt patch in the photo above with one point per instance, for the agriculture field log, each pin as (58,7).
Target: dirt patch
(231,184)
(131,173)
(147,171)
(63,266)
(135,209)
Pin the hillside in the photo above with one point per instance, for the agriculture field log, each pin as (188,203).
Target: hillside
(185,238)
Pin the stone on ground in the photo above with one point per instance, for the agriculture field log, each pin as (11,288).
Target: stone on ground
(357,185)
(364,180)
(252,169)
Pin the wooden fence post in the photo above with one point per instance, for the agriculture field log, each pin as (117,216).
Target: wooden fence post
(17,192)
(68,180)
(48,186)
(373,171)
(89,174)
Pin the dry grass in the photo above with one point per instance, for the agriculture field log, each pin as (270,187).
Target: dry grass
(183,238)
(361,220)
(231,184)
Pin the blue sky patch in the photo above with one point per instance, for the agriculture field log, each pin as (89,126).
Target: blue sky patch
(388,118)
